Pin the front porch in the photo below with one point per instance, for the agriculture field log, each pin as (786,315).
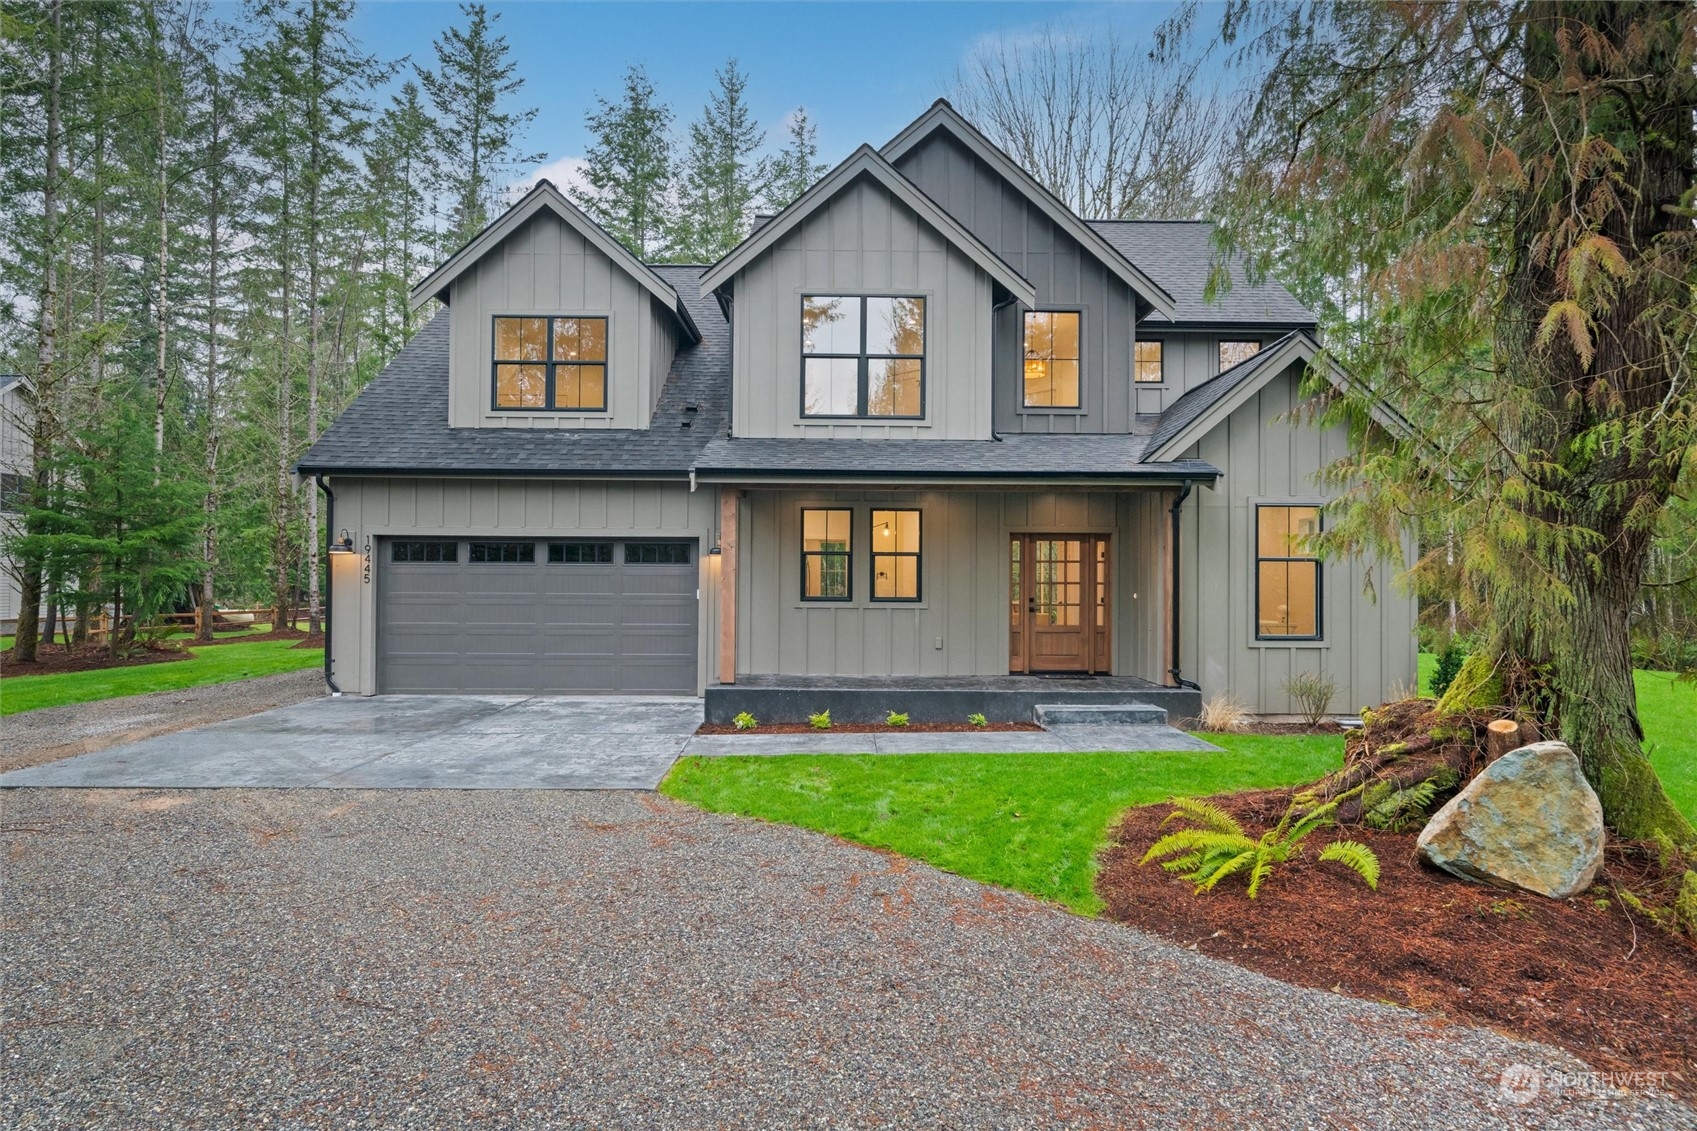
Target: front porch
(935,699)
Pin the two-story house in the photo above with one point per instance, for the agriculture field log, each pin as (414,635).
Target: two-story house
(925,435)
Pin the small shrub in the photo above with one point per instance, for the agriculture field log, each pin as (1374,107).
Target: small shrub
(1312,693)
(745,721)
(1223,714)
(1449,664)
(821,721)
(978,720)
(1216,846)
(895,719)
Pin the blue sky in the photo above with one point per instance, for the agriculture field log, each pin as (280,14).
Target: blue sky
(863,70)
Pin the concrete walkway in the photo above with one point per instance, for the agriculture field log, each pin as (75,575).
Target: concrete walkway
(503,742)
(404,742)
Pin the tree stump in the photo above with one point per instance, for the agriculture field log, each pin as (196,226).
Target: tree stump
(1501,736)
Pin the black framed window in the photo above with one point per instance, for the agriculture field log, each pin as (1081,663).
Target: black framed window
(14,492)
(657,553)
(826,555)
(550,364)
(896,564)
(863,355)
(1236,352)
(504,552)
(1052,339)
(1287,574)
(580,553)
(1148,366)
(424,551)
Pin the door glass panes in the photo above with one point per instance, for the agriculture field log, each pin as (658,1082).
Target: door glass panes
(1057,581)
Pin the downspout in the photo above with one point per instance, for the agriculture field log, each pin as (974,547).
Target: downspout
(330,585)
(1176,672)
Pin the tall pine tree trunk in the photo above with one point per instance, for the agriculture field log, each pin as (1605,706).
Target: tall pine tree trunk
(315,170)
(281,550)
(28,632)
(162,306)
(214,217)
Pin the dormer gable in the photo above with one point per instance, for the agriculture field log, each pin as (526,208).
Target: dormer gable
(943,119)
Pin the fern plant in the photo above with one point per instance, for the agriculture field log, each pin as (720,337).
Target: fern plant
(896,719)
(1400,808)
(977,719)
(1216,846)
(745,721)
(821,721)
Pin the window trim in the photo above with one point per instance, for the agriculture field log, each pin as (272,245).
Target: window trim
(548,366)
(918,557)
(1082,406)
(1319,634)
(862,359)
(847,556)
(1139,383)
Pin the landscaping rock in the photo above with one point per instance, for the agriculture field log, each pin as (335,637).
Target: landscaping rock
(1528,821)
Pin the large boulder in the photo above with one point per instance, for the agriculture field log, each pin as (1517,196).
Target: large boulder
(1529,820)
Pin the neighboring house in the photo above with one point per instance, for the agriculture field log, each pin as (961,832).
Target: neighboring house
(923,430)
(15,466)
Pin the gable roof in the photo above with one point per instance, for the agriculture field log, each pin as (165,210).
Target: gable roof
(1180,255)
(543,196)
(868,162)
(942,116)
(1203,408)
(399,424)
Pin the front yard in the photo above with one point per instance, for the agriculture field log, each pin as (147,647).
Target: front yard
(1032,822)
(220,663)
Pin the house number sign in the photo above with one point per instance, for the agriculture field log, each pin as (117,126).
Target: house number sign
(365,563)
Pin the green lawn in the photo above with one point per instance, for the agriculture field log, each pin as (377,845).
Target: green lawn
(1033,822)
(1667,710)
(220,664)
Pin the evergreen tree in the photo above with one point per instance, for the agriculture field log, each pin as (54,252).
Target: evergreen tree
(792,170)
(629,168)
(720,180)
(479,139)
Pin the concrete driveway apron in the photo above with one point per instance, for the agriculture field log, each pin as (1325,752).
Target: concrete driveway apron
(404,742)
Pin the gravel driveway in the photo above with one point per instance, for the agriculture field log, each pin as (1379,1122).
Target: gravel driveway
(553,959)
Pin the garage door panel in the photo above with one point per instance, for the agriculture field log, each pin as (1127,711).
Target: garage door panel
(628,625)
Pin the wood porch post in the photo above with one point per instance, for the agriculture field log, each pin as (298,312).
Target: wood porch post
(728,522)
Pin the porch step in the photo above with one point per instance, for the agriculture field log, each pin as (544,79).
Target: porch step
(1105,715)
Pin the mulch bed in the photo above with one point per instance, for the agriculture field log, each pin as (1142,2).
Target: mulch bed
(1582,973)
(55,659)
(252,637)
(861,728)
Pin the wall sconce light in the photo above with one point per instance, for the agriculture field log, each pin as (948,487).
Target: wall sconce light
(716,550)
(344,543)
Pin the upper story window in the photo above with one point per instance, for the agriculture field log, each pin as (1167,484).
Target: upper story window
(1231,353)
(1148,365)
(1287,574)
(863,355)
(545,364)
(1051,359)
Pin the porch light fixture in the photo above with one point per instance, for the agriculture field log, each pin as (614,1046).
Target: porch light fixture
(344,543)
(716,550)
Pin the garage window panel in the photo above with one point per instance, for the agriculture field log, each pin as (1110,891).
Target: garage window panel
(487,553)
(657,553)
(580,553)
(424,551)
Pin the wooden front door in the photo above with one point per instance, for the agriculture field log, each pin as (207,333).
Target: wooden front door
(1059,608)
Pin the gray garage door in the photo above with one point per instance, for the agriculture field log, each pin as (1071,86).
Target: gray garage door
(508,616)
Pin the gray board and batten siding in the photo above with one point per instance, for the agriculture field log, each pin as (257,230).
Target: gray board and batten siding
(862,241)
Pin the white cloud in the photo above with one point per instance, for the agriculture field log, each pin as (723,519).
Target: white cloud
(566,173)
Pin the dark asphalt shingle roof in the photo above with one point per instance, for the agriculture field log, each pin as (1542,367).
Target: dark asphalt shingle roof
(1179,255)
(1185,411)
(400,422)
(1084,456)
